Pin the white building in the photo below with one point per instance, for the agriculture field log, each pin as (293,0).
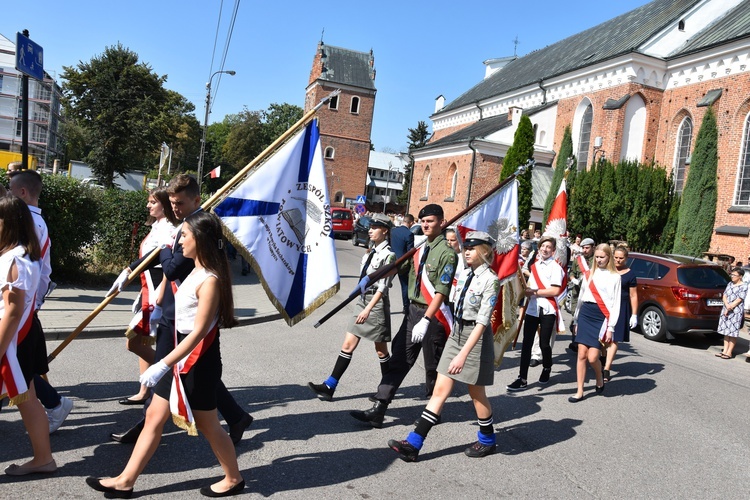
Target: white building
(385,177)
(44,111)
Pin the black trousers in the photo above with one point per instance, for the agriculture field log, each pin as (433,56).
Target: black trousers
(404,354)
(530,325)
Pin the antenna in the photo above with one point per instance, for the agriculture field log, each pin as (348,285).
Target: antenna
(515,46)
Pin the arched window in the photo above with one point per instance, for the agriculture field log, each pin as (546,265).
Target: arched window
(454,183)
(334,102)
(742,191)
(634,129)
(329,153)
(452,179)
(354,109)
(682,153)
(584,137)
(339,197)
(426,181)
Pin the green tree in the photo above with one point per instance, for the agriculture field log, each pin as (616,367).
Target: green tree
(279,118)
(564,156)
(518,154)
(698,206)
(666,242)
(246,139)
(122,109)
(416,138)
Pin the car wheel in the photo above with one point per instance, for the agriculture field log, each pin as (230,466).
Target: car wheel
(354,240)
(653,324)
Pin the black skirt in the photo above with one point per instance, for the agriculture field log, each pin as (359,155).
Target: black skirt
(201,382)
(32,352)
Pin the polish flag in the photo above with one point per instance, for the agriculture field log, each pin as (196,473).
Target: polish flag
(215,173)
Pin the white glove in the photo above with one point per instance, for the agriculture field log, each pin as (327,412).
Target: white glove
(575,281)
(417,333)
(153,374)
(119,282)
(154,319)
(633,321)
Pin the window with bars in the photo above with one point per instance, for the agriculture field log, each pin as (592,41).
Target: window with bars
(682,153)
(742,191)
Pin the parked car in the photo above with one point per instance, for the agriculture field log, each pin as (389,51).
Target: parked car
(677,294)
(361,234)
(343,222)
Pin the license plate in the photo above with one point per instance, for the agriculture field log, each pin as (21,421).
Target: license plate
(714,302)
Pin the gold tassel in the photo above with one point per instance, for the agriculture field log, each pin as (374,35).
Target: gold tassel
(182,423)
(20,399)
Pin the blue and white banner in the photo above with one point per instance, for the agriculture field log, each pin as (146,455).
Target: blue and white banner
(281,215)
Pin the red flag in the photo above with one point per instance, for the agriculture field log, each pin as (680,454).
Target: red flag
(215,173)
(557,222)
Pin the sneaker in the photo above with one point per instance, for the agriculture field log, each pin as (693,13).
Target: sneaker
(57,415)
(544,377)
(322,391)
(519,385)
(405,450)
(478,450)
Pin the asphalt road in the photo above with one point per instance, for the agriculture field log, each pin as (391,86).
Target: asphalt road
(671,424)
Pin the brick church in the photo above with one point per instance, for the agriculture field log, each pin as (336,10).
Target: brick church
(346,121)
(634,87)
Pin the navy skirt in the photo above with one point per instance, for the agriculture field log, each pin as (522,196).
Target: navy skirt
(590,321)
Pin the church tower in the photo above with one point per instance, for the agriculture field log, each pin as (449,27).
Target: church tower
(346,121)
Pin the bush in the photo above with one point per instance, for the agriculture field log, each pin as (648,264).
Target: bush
(120,228)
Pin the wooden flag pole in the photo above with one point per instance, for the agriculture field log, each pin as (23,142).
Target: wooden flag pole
(207,205)
(392,268)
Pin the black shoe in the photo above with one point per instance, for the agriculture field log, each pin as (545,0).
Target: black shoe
(573,399)
(133,402)
(519,385)
(374,415)
(95,483)
(600,389)
(544,377)
(405,450)
(322,391)
(478,450)
(534,362)
(130,436)
(437,421)
(372,399)
(606,375)
(237,430)
(206,491)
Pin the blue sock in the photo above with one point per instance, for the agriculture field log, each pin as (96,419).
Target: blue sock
(415,440)
(331,382)
(486,439)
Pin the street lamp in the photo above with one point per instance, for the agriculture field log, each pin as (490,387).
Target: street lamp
(387,185)
(205,122)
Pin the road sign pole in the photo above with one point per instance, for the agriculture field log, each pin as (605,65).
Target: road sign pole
(24,116)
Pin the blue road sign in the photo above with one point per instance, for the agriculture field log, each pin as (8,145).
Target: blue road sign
(29,57)
(360,209)
(360,199)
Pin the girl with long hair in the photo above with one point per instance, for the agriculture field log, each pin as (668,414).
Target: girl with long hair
(204,303)
(140,336)
(596,315)
(628,318)
(22,350)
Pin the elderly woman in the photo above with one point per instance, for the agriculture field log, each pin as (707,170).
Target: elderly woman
(730,320)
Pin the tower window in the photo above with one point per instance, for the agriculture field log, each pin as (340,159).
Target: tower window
(329,153)
(355,105)
(334,102)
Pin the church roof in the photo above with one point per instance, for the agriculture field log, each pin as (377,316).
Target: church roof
(733,25)
(348,67)
(620,35)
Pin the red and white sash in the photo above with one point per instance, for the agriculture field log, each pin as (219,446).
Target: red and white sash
(182,415)
(602,306)
(443,314)
(140,324)
(583,265)
(13,382)
(559,323)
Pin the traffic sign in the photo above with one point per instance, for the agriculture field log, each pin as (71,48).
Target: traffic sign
(360,199)
(360,209)
(29,57)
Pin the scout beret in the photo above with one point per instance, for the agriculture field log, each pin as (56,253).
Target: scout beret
(587,241)
(431,209)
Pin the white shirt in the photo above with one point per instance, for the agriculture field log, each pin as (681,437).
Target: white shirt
(551,274)
(608,285)
(42,233)
(186,300)
(28,277)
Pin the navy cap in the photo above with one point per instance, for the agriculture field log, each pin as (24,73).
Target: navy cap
(380,220)
(474,238)
(431,209)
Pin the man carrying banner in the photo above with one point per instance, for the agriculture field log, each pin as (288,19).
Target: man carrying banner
(578,271)
(184,195)
(542,310)
(428,321)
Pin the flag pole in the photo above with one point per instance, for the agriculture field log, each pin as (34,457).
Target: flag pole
(389,269)
(207,205)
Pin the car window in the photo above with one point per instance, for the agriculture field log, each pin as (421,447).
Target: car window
(646,269)
(703,277)
(341,215)
(364,222)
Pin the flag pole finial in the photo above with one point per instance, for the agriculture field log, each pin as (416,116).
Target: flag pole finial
(526,166)
(327,98)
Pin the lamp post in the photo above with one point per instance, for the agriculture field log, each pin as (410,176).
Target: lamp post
(387,185)
(205,122)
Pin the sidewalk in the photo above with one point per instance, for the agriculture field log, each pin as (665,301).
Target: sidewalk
(67,307)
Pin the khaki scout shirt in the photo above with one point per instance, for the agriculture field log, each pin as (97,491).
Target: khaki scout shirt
(481,296)
(383,256)
(440,267)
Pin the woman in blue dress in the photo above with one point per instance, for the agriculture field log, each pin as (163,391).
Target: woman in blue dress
(628,318)
(732,314)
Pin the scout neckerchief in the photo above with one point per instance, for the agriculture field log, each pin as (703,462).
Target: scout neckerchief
(13,382)
(443,314)
(559,325)
(601,304)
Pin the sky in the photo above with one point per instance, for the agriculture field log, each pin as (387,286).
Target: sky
(422,49)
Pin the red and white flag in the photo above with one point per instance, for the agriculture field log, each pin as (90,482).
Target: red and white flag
(557,227)
(498,216)
(215,173)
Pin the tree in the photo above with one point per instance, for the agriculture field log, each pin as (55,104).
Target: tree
(246,139)
(279,118)
(698,207)
(561,166)
(122,110)
(416,138)
(518,154)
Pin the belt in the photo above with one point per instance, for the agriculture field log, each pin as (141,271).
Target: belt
(418,306)
(466,322)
